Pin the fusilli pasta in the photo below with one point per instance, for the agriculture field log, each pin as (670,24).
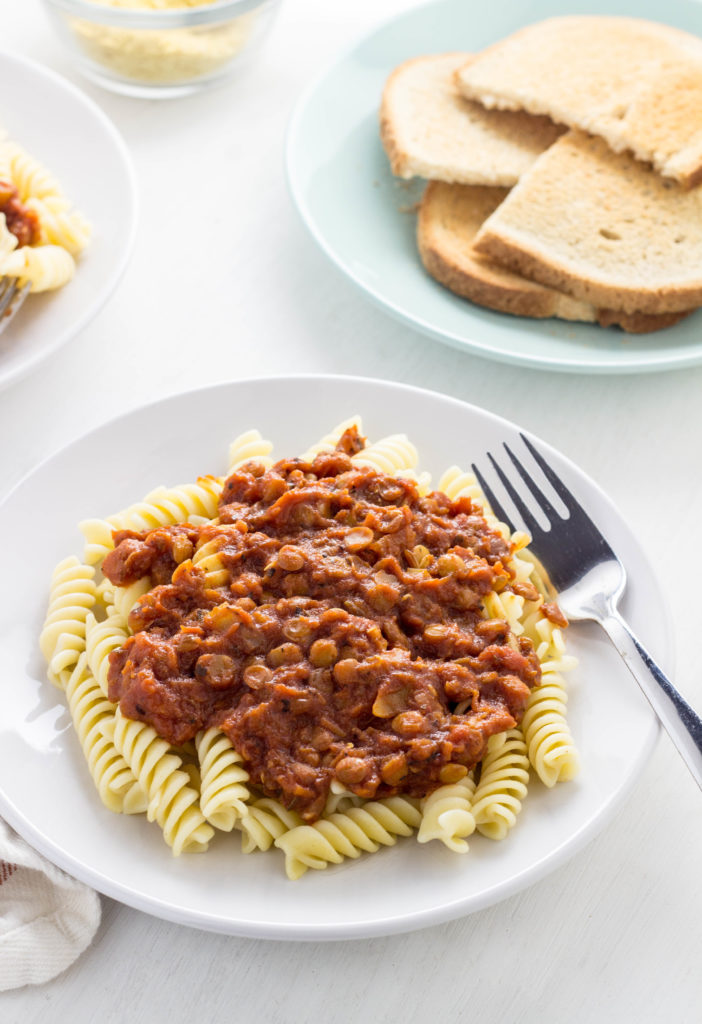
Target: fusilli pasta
(329,442)
(193,503)
(26,173)
(265,822)
(208,559)
(53,234)
(247,447)
(172,802)
(191,790)
(223,790)
(348,834)
(101,638)
(60,225)
(45,267)
(62,640)
(115,782)
(447,815)
(550,746)
(504,774)
(393,454)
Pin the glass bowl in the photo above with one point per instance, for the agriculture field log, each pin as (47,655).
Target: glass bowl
(160,48)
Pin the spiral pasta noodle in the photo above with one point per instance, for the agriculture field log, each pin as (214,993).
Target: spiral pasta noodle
(194,503)
(223,790)
(422,480)
(72,595)
(447,815)
(550,746)
(43,253)
(329,441)
(348,834)
(45,267)
(101,638)
(60,225)
(115,782)
(547,639)
(31,178)
(504,775)
(247,447)
(166,506)
(340,799)
(123,599)
(172,801)
(457,483)
(264,823)
(208,559)
(98,539)
(507,606)
(392,454)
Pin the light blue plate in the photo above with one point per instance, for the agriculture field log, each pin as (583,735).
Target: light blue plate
(364,219)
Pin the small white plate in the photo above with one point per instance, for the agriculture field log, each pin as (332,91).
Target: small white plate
(56,123)
(45,790)
(364,219)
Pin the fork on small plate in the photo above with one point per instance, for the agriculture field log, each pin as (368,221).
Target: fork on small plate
(12,296)
(590,580)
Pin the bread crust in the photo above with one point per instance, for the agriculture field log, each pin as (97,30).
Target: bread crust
(429,131)
(446,253)
(602,227)
(395,154)
(448,220)
(640,323)
(547,270)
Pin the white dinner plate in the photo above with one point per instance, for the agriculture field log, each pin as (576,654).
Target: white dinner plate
(364,219)
(45,789)
(59,126)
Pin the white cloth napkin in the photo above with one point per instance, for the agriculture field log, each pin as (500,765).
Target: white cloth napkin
(46,918)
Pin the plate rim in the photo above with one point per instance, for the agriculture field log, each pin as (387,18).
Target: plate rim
(121,151)
(653,362)
(322,931)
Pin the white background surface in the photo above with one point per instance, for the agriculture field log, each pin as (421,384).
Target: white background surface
(225,284)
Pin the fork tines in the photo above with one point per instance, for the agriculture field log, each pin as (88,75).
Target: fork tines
(11,298)
(572,531)
(8,289)
(543,502)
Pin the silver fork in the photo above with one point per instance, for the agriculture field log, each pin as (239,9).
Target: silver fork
(590,580)
(11,298)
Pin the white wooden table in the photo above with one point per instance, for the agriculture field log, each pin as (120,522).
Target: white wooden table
(612,936)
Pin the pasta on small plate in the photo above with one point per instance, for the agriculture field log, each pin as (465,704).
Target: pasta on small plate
(67,210)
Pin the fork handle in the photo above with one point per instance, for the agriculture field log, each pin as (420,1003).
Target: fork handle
(682,723)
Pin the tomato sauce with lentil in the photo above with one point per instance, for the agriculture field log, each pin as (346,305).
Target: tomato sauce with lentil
(22,222)
(338,636)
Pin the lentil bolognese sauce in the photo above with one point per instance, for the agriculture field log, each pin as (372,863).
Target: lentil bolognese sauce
(22,222)
(341,637)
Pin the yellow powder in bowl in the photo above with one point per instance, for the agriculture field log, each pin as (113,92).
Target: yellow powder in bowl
(163,56)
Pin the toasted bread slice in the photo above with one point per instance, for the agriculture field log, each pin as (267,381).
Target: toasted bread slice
(450,216)
(429,130)
(602,227)
(636,83)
